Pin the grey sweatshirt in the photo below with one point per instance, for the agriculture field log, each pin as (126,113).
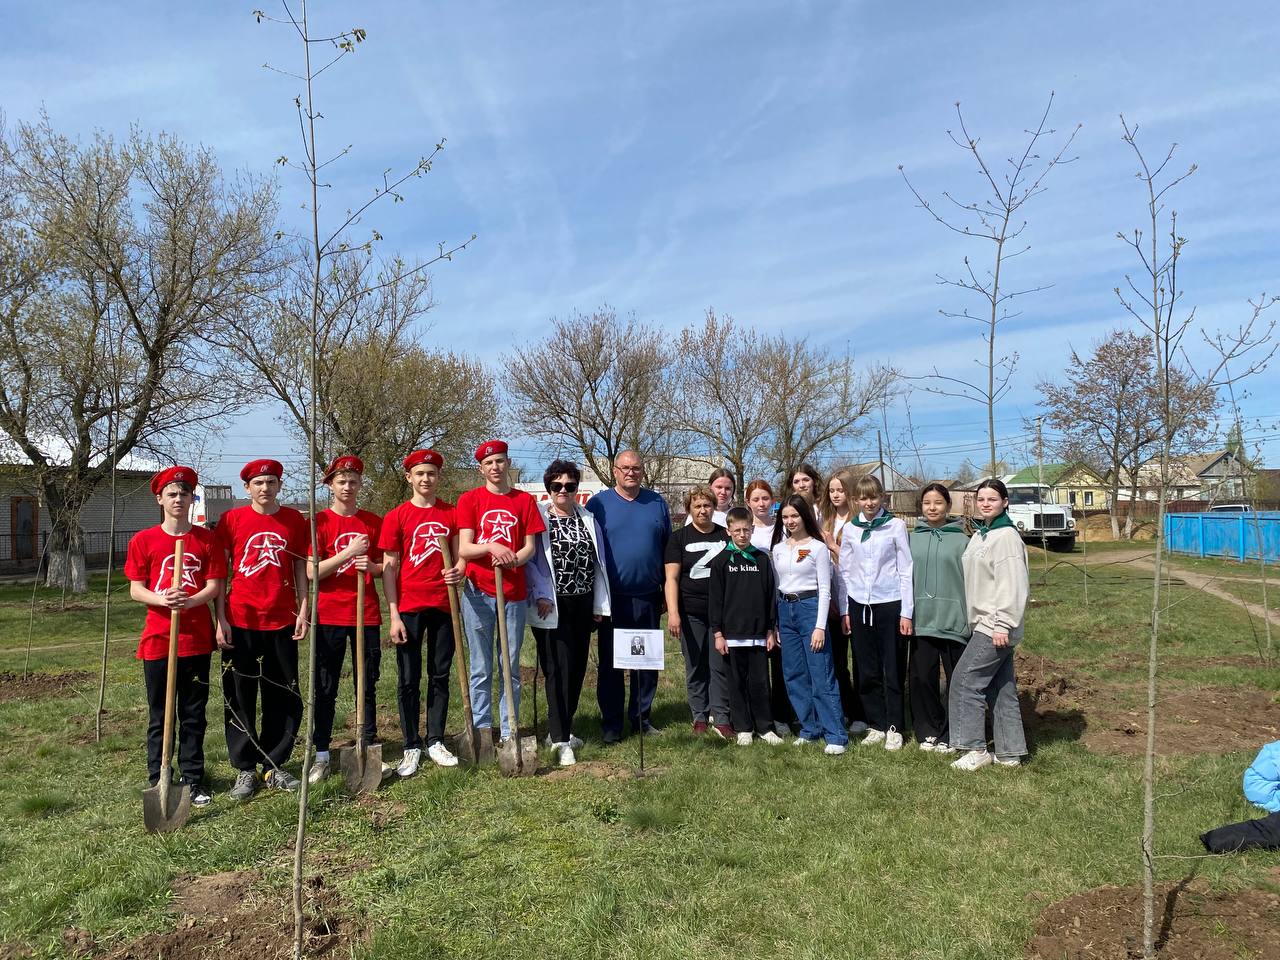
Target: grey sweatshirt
(995,582)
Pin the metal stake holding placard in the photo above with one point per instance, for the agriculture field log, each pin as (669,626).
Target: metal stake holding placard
(636,649)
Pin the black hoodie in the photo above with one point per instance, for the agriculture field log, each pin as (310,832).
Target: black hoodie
(741,601)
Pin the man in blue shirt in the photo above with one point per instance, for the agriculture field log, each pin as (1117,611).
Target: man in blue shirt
(636,526)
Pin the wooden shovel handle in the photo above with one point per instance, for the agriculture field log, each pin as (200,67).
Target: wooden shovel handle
(171,679)
(359,665)
(455,612)
(504,645)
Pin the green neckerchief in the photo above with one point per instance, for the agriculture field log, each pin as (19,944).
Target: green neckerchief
(883,517)
(1000,521)
(747,554)
(951,526)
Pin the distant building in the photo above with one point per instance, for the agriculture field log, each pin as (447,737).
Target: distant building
(1073,484)
(1216,476)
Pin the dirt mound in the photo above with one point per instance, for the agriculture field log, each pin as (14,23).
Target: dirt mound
(1059,703)
(1191,922)
(41,686)
(225,916)
(600,770)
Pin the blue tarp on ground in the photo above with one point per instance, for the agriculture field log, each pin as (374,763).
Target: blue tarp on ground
(1236,536)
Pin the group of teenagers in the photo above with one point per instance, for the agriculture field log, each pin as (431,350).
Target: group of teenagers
(767,600)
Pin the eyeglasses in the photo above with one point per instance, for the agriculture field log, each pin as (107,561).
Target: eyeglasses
(636,469)
(556,486)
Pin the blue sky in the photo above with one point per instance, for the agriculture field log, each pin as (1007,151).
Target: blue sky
(669,157)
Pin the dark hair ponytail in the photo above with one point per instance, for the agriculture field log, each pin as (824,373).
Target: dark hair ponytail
(934,487)
(996,484)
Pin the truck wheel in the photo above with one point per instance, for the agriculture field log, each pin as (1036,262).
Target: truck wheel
(1062,544)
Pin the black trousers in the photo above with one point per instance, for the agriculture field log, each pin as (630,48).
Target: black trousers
(749,707)
(779,702)
(436,626)
(846,679)
(261,663)
(879,650)
(563,653)
(928,703)
(1263,834)
(190,696)
(331,651)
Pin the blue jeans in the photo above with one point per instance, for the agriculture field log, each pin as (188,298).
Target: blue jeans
(984,674)
(480,621)
(810,676)
(644,613)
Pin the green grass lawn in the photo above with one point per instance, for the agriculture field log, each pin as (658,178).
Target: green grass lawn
(727,852)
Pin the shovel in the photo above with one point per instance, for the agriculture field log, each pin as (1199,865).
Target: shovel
(164,810)
(361,765)
(472,749)
(512,759)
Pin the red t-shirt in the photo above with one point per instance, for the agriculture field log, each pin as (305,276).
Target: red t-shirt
(150,562)
(412,532)
(505,518)
(338,590)
(263,550)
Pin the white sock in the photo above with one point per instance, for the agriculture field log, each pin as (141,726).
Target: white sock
(322,756)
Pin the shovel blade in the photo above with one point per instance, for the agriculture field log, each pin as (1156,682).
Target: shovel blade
(159,819)
(465,749)
(361,773)
(518,757)
(484,746)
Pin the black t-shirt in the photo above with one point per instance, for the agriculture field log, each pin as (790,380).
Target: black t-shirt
(694,550)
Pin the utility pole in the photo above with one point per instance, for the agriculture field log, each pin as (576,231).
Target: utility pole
(1044,541)
(880,455)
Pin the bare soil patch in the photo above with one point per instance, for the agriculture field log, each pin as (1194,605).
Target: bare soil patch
(1192,922)
(600,770)
(227,916)
(41,686)
(1058,703)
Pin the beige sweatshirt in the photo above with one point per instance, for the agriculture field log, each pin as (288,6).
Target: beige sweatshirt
(995,582)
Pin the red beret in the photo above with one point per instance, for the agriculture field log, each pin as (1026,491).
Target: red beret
(173,475)
(347,462)
(423,456)
(489,448)
(262,468)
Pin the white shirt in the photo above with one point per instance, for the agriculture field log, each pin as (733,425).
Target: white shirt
(803,567)
(878,570)
(762,537)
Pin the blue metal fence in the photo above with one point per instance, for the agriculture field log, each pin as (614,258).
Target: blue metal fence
(1237,536)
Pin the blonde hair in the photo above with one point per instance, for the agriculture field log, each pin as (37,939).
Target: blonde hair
(869,485)
(698,493)
(848,481)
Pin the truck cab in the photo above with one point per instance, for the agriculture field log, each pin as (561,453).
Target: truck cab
(1040,521)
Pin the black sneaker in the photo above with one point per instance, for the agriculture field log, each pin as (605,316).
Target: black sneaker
(611,736)
(201,795)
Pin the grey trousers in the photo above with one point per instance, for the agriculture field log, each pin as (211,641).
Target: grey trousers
(706,672)
(984,673)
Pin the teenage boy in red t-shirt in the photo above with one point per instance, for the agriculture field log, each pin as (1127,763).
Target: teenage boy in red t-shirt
(497,527)
(261,617)
(149,567)
(414,580)
(346,542)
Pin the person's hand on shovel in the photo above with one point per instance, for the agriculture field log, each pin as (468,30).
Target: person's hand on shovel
(501,555)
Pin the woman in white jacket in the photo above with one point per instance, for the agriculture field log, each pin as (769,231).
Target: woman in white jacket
(995,587)
(568,594)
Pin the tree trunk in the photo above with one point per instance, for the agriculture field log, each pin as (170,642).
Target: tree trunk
(66,567)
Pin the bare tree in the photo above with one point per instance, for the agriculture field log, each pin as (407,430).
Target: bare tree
(994,218)
(1154,302)
(597,386)
(1108,408)
(119,261)
(328,254)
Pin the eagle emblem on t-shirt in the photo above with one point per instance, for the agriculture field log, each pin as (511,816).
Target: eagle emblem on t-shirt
(261,550)
(425,541)
(496,527)
(190,566)
(340,543)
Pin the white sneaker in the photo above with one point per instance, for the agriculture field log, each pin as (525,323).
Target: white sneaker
(319,771)
(567,759)
(575,743)
(973,760)
(1015,762)
(772,738)
(857,727)
(892,739)
(928,744)
(782,729)
(409,762)
(833,749)
(943,747)
(441,756)
(873,738)
(800,741)
(744,739)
